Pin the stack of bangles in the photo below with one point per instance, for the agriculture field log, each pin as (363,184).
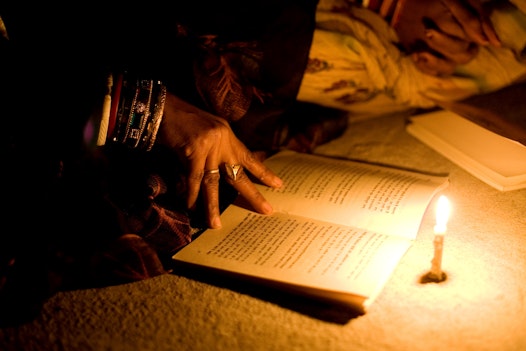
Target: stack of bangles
(132,112)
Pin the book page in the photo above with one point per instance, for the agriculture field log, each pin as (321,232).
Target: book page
(299,251)
(380,199)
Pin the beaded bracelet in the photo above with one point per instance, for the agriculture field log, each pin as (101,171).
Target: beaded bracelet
(139,113)
(155,122)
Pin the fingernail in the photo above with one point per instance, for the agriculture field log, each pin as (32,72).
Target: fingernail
(216,222)
(278,183)
(267,208)
(428,33)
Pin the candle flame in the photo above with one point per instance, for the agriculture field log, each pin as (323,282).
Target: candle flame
(442,214)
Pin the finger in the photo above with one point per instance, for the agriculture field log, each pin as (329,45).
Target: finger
(203,154)
(487,26)
(194,179)
(446,24)
(454,49)
(433,65)
(475,23)
(491,34)
(210,188)
(248,190)
(260,171)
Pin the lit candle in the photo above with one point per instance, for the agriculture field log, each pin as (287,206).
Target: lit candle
(442,216)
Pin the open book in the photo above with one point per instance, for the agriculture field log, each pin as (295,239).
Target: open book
(493,158)
(338,230)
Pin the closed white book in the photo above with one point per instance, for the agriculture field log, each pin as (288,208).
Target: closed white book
(493,158)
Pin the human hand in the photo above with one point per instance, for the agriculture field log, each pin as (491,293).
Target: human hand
(442,34)
(207,144)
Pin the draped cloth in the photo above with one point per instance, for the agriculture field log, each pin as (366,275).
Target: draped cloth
(355,64)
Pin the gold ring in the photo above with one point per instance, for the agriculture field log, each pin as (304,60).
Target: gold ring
(233,170)
(212,171)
